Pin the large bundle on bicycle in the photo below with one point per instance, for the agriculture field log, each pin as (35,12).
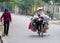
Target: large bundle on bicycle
(40,18)
(38,21)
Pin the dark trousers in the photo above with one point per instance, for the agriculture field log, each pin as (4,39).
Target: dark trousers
(6,27)
(39,25)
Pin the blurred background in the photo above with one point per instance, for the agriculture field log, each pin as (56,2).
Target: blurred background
(28,7)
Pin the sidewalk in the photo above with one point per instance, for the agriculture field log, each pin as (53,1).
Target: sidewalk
(55,21)
(2,39)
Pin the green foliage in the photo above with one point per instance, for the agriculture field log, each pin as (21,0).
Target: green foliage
(26,3)
(57,0)
(4,0)
(47,1)
(38,2)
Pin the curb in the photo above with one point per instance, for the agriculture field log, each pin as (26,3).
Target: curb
(55,22)
(1,39)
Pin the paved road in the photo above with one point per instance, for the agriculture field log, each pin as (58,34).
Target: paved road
(19,32)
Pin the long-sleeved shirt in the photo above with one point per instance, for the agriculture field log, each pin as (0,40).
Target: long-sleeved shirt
(6,16)
(42,15)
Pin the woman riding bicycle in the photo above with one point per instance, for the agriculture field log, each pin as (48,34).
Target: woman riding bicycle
(39,19)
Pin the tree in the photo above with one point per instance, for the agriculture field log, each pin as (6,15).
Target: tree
(4,0)
(25,5)
(5,4)
(47,1)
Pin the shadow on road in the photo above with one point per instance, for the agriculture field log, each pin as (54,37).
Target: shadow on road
(36,36)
